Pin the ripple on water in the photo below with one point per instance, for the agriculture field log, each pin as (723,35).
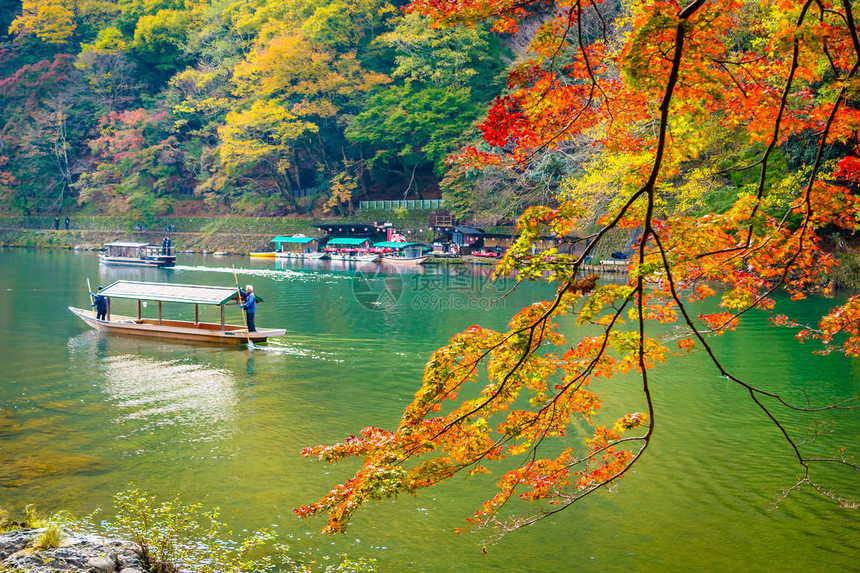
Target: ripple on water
(150,393)
(274,274)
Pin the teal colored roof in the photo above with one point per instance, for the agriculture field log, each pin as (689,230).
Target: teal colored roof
(301,240)
(346,241)
(392,245)
(169,292)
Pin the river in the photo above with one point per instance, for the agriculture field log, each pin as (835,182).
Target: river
(83,415)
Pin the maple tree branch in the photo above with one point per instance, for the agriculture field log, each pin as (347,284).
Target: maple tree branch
(754,392)
(595,85)
(778,120)
(507,438)
(570,499)
(648,190)
(776,128)
(579,379)
(603,26)
(731,75)
(852,28)
(527,352)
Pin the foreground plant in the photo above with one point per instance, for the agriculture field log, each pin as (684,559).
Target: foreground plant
(52,526)
(683,93)
(173,536)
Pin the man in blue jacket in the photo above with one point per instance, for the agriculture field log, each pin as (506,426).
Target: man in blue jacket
(250,306)
(100,302)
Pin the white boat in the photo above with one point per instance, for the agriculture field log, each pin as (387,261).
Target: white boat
(350,249)
(397,253)
(127,254)
(395,260)
(298,247)
(358,257)
(306,256)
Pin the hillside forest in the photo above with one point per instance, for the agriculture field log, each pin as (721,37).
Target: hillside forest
(264,107)
(257,107)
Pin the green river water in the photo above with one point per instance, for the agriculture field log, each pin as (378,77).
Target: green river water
(84,414)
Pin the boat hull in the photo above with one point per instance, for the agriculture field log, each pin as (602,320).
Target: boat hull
(306,256)
(264,255)
(176,329)
(358,258)
(404,260)
(159,263)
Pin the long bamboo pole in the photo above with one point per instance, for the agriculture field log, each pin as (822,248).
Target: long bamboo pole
(241,310)
(92,301)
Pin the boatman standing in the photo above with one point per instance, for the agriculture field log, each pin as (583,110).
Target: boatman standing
(100,302)
(250,306)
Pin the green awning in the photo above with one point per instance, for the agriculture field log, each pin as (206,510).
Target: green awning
(346,241)
(299,240)
(169,292)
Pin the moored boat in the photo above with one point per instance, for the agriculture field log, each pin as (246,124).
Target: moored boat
(185,330)
(128,254)
(350,249)
(402,260)
(397,253)
(357,257)
(298,247)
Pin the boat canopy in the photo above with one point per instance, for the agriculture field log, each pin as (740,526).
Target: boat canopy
(393,245)
(300,240)
(347,241)
(130,245)
(168,292)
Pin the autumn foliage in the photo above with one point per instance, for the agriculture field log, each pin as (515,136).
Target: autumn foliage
(660,83)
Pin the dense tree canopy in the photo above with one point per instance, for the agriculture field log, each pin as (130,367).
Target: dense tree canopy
(258,102)
(722,134)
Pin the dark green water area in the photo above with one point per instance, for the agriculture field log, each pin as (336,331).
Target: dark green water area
(83,414)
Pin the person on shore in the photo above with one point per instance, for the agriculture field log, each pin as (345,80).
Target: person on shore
(56,223)
(67,223)
(250,306)
(100,302)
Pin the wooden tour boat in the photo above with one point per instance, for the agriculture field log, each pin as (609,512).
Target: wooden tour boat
(298,247)
(350,249)
(186,330)
(137,255)
(402,253)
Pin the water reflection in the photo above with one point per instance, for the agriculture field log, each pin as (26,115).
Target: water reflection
(168,392)
(147,393)
(350,267)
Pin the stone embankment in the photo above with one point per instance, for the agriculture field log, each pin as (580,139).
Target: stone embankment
(77,554)
(234,243)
